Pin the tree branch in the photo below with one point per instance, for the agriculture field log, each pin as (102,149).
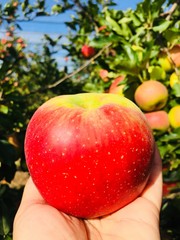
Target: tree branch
(169,13)
(80,68)
(86,13)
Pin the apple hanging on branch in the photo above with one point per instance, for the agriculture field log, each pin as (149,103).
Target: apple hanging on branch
(87,51)
(158,120)
(89,154)
(151,95)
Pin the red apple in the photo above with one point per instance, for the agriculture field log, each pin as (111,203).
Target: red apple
(158,120)
(3,41)
(20,40)
(151,95)
(9,34)
(115,87)
(175,54)
(87,51)
(103,73)
(89,154)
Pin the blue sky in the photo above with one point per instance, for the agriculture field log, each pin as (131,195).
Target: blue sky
(54,24)
(33,31)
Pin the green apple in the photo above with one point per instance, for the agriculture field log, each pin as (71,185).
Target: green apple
(165,62)
(174,78)
(151,95)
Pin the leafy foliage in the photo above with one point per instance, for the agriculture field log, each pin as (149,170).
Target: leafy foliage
(127,43)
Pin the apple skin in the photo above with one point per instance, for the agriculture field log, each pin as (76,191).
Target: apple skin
(151,95)
(87,51)
(174,116)
(103,73)
(174,78)
(158,120)
(165,62)
(116,88)
(89,154)
(175,54)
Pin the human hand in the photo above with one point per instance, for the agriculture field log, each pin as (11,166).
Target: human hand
(138,220)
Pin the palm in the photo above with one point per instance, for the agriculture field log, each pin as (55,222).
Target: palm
(138,220)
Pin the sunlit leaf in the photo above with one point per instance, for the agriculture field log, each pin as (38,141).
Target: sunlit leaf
(161,27)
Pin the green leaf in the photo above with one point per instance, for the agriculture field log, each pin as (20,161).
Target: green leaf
(156,73)
(175,164)
(171,137)
(100,42)
(8,237)
(176,89)
(113,25)
(131,54)
(134,17)
(124,20)
(3,109)
(56,9)
(4,219)
(24,5)
(172,35)
(8,153)
(162,26)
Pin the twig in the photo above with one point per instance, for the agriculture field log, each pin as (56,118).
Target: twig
(169,13)
(86,13)
(80,68)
